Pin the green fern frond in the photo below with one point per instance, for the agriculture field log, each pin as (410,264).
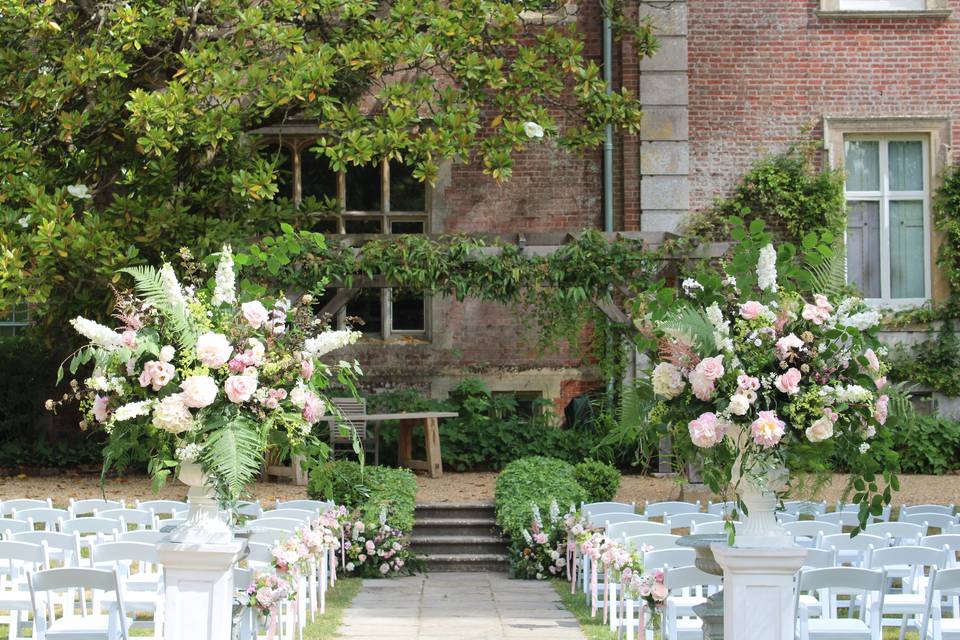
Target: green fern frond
(691,326)
(829,276)
(233,455)
(148,282)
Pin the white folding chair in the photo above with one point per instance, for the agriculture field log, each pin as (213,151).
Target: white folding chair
(63,548)
(673,557)
(941,521)
(249,509)
(867,584)
(319,506)
(136,518)
(783,517)
(94,626)
(616,530)
(49,517)
(905,509)
(687,521)
(911,603)
(140,578)
(89,530)
(590,508)
(944,583)
(806,532)
(722,508)
(717,527)
(9,526)
(842,518)
(816,559)
(17,558)
(285,524)
(268,536)
(651,541)
(804,507)
(88,506)
(7,507)
(688,587)
(169,508)
(901,533)
(852,507)
(664,509)
(150,536)
(294,514)
(852,551)
(242,578)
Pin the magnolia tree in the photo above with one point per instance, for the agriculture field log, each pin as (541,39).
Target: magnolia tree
(125,125)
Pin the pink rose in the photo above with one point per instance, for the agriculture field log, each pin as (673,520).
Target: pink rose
(213,349)
(100,408)
(873,362)
(814,314)
(789,382)
(706,431)
(254,313)
(129,338)
(702,386)
(880,411)
(659,591)
(240,388)
(199,391)
(313,408)
(157,374)
(751,309)
(767,429)
(711,368)
(748,383)
(306,368)
(788,343)
(821,301)
(881,382)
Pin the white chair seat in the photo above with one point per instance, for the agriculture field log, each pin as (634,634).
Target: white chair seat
(143,582)
(904,603)
(92,627)
(838,629)
(811,604)
(684,605)
(950,627)
(139,601)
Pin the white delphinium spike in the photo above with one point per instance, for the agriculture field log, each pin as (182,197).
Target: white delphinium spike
(330,341)
(537,518)
(554,511)
(171,286)
(225,291)
(96,333)
(767,269)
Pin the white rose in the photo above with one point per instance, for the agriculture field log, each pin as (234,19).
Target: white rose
(298,396)
(739,404)
(667,380)
(255,313)
(199,391)
(820,430)
(213,349)
(172,415)
(167,353)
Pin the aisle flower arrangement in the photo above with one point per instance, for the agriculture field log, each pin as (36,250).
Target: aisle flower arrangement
(374,550)
(192,372)
(541,553)
(763,379)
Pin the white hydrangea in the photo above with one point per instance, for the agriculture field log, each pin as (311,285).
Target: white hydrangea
(330,341)
(667,380)
(853,393)
(132,410)
(224,291)
(99,382)
(691,286)
(172,415)
(96,333)
(863,320)
(767,269)
(189,452)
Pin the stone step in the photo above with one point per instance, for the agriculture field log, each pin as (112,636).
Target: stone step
(455,527)
(458,544)
(454,510)
(467,562)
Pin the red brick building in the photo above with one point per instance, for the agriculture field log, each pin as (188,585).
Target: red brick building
(878,81)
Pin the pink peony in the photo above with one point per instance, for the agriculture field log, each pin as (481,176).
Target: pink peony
(881,409)
(213,349)
(240,388)
(385,568)
(881,382)
(788,343)
(706,431)
(751,309)
(313,408)
(814,314)
(789,382)
(767,429)
(702,386)
(254,313)
(129,338)
(822,303)
(748,383)
(540,538)
(873,362)
(157,374)
(659,591)
(711,368)
(101,410)
(199,391)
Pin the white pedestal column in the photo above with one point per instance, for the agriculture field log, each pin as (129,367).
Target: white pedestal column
(199,589)
(758,597)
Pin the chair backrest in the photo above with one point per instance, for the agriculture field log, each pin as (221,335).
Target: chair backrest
(940,521)
(783,517)
(294,514)
(902,532)
(689,576)
(47,516)
(150,536)
(171,523)
(259,554)
(89,505)
(634,528)
(946,509)
(170,508)
(91,524)
(853,507)
(8,506)
(64,542)
(284,524)
(591,508)
(663,509)
(139,517)
(121,556)
(717,527)
(943,582)
(820,559)
(651,541)
(671,557)
(811,528)
(9,526)
(804,507)
(687,520)
(319,506)
(846,579)
(862,542)
(249,509)
(914,556)
(949,540)
(601,519)
(842,518)
(242,578)
(268,537)
(721,508)
(353,414)
(82,580)
(16,556)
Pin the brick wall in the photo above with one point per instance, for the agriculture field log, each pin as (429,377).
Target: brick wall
(763,74)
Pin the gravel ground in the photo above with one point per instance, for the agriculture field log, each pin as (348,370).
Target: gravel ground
(452,487)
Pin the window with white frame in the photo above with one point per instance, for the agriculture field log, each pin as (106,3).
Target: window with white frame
(888,227)
(382,198)
(884,8)
(16,321)
(882,5)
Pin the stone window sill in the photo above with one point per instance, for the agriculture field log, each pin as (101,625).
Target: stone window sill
(933,14)
(566,14)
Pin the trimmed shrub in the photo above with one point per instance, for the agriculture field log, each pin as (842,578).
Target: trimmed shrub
(599,479)
(367,489)
(340,481)
(534,480)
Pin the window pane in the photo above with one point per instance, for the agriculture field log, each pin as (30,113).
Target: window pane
(362,225)
(863,247)
(406,192)
(365,306)
(906,165)
(320,301)
(317,179)
(906,249)
(409,311)
(363,188)
(324,225)
(279,155)
(406,226)
(862,164)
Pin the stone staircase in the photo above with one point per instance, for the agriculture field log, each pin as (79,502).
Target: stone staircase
(459,537)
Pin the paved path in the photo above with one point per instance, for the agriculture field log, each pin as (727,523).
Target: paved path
(464,606)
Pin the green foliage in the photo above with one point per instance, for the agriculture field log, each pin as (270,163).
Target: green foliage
(932,363)
(532,481)
(599,479)
(790,191)
(127,127)
(637,428)
(928,444)
(371,490)
(946,216)
(233,453)
(62,454)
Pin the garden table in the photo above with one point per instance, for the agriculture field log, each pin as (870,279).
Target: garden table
(431,434)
